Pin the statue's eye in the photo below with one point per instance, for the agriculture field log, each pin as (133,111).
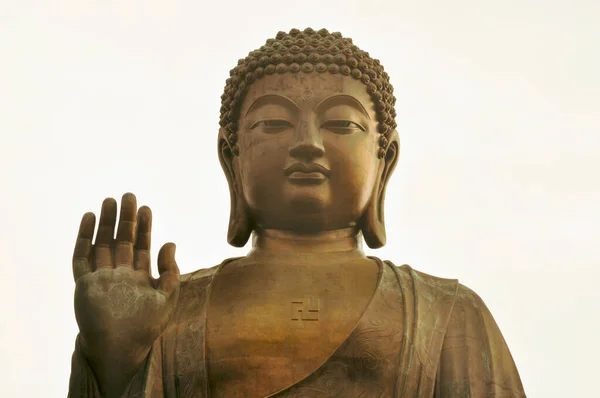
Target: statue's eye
(272,125)
(343,126)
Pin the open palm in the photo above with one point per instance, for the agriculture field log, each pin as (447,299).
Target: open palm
(120,308)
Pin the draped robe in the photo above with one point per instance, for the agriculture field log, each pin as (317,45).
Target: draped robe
(420,336)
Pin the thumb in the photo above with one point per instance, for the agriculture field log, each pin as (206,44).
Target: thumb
(167,268)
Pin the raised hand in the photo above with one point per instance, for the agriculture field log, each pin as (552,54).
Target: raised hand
(120,308)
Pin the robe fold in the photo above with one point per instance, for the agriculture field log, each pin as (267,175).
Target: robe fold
(420,336)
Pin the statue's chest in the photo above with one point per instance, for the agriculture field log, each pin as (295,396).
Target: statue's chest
(266,329)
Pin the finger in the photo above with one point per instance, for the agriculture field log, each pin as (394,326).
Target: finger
(166,259)
(126,228)
(126,231)
(106,233)
(83,246)
(167,267)
(106,227)
(142,243)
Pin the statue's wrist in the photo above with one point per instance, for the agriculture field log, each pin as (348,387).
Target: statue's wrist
(113,368)
(111,355)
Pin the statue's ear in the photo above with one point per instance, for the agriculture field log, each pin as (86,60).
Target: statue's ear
(240,223)
(373,223)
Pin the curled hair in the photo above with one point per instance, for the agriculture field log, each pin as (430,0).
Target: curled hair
(308,51)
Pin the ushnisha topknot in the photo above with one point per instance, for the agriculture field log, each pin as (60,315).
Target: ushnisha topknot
(308,51)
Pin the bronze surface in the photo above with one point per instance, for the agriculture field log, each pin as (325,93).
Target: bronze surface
(308,149)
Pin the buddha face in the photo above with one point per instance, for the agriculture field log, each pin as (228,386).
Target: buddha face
(308,146)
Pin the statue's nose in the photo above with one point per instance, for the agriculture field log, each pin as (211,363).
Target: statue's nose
(309,143)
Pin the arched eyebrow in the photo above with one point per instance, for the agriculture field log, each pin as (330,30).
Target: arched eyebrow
(272,99)
(342,99)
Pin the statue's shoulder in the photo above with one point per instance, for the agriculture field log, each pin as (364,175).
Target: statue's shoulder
(199,274)
(469,301)
(464,298)
(423,282)
(205,274)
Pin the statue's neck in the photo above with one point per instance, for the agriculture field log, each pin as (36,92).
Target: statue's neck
(273,242)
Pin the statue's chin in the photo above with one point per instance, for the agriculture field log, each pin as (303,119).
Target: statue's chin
(308,205)
(303,215)
(307,199)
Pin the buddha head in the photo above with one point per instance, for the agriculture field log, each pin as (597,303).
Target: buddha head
(307,138)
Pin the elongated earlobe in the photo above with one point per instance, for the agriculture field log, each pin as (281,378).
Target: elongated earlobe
(240,223)
(373,221)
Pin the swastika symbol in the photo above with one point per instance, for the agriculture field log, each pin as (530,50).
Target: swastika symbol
(305,309)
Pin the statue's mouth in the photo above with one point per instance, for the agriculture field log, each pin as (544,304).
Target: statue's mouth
(307,173)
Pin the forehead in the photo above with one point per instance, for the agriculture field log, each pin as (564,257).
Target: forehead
(307,88)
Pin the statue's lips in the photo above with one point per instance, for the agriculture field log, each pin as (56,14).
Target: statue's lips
(307,173)
(299,175)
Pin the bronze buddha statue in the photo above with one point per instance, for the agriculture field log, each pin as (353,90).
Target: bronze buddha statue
(308,144)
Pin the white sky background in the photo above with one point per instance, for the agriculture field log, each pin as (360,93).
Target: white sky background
(497,185)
